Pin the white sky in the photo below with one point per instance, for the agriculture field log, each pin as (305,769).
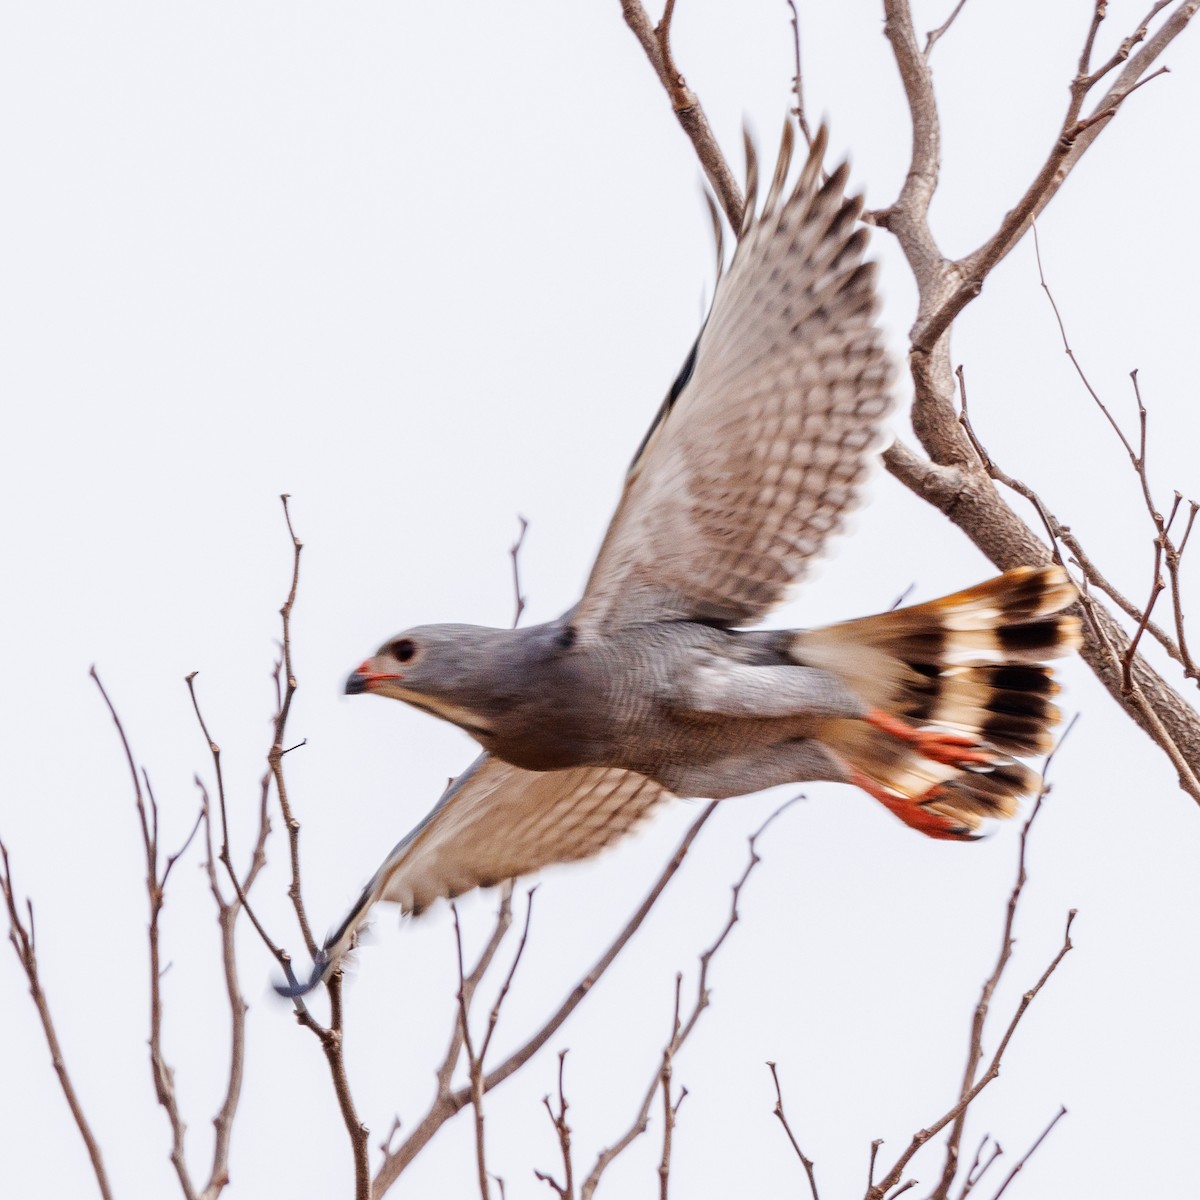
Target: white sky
(428,266)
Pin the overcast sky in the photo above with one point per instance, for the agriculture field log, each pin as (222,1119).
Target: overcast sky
(426,267)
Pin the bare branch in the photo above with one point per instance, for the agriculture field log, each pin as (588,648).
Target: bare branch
(670,1116)
(494,1015)
(932,37)
(806,1163)
(681,1031)
(275,756)
(21,935)
(467,986)
(446,1104)
(1075,136)
(880,1190)
(798,78)
(161,1073)
(331,1037)
(979,1166)
(655,41)
(1058,1116)
(474,1064)
(979,1019)
(566,1189)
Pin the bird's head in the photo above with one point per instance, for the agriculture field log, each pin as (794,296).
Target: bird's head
(450,671)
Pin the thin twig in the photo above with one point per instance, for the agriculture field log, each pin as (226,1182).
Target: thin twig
(977,1168)
(979,1018)
(1103,652)
(880,1190)
(446,1104)
(566,1189)
(932,37)
(798,78)
(161,1073)
(806,1162)
(688,110)
(1058,1116)
(973,1083)
(331,1037)
(1156,590)
(21,935)
(275,756)
(474,1065)
(494,1014)
(871,1163)
(681,1030)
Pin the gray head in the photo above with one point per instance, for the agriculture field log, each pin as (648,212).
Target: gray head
(457,672)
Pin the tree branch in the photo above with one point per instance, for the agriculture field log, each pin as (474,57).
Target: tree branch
(655,41)
(21,935)
(446,1104)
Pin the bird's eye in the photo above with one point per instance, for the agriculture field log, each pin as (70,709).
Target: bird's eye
(404,650)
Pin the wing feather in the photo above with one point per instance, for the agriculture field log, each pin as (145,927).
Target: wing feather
(765,440)
(495,822)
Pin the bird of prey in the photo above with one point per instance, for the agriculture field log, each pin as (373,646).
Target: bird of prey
(652,686)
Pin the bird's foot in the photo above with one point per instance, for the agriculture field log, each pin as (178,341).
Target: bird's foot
(917,812)
(952,749)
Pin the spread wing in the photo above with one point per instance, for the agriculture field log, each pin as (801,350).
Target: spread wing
(495,822)
(764,441)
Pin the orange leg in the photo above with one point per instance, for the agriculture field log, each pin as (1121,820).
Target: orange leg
(913,812)
(953,749)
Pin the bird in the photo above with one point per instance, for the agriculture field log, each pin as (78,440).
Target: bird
(655,685)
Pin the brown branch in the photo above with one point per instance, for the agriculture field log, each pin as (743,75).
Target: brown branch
(1123,50)
(21,935)
(474,1064)
(1156,590)
(979,1018)
(566,1189)
(970,501)
(1075,136)
(681,1031)
(655,41)
(974,1083)
(1058,1116)
(806,1163)
(931,39)
(798,78)
(880,1190)
(467,984)
(329,1037)
(1070,353)
(950,480)
(445,1072)
(494,1014)
(979,1166)
(227,915)
(871,1163)
(160,1071)
(275,756)
(670,1117)
(1163,545)
(446,1104)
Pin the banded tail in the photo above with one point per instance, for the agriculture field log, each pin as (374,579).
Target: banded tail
(958,687)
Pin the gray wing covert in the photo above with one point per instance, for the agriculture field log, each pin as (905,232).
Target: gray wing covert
(756,456)
(493,823)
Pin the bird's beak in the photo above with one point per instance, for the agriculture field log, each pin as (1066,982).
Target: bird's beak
(363,679)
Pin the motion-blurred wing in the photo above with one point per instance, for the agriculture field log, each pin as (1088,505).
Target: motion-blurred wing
(493,823)
(764,441)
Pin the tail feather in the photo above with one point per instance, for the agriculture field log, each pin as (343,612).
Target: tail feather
(971,664)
